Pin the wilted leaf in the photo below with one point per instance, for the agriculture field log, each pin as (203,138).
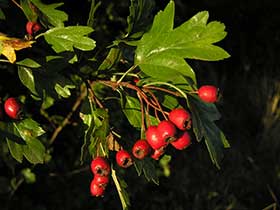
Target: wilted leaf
(10,45)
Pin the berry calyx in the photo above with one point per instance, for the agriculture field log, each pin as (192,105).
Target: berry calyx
(32,27)
(182,142)
(123,158)
(141,149)
(96,189)
(181,118)
(167,130)
(208,93)
(154,138)
(100,166)
(13,108)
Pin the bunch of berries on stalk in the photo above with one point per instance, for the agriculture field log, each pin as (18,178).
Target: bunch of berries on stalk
(101,170)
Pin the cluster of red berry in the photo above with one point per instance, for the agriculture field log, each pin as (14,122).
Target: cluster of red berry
(101,169)
(32,27)
(13,108)
(173,130)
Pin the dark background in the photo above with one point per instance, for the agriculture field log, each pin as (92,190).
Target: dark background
(249,81)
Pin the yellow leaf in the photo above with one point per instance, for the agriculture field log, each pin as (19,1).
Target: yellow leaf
(9,53)
(10,45)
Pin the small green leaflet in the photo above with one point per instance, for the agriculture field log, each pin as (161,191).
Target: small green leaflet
(162,50)
(54,17)
(66,38)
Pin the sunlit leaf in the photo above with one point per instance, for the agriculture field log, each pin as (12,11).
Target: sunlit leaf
(66,38)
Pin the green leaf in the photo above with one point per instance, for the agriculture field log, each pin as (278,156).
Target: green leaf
(66,38)
(139,15)
(30,14)
(55,17)
(34,151)
(132,111)
(15,149)
(204,116)
(161,52)
(63,91)
(29,129)
(27,79)
(111,60)
(28,175)
(27,62)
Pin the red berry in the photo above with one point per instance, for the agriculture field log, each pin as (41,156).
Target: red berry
(101,180)
(181,118)
(13,108)
(141,149)
(182,142)
(167,130)
(208,93)
(136,79)
(154,139)
(32,27)
(96,189)
(123,158)
(100,166)
(158,153)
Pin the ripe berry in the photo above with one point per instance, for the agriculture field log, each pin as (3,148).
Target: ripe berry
(100,166)
(158,153)
(101,180)
(181,118)
(141,149)
(13,108)
(167,130)
(96,189)
(123,158)
(154,138)
(208,93)
(32,27)
(182,142)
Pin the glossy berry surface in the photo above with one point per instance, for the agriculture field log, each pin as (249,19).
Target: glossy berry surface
(141,149)
(167,130)
(123,158)
(96,189)
(32,27)
(154,139)
(181,118)
(182,142)
(101,180)
(13,108)
(100,166)
(208,93)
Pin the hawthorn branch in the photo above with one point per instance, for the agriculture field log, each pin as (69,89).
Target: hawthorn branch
(67,118)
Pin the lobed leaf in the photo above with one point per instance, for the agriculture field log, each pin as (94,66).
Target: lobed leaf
(67,38)
(55,17)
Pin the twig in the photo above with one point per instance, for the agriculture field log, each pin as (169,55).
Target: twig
(18,5)
(67,118)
